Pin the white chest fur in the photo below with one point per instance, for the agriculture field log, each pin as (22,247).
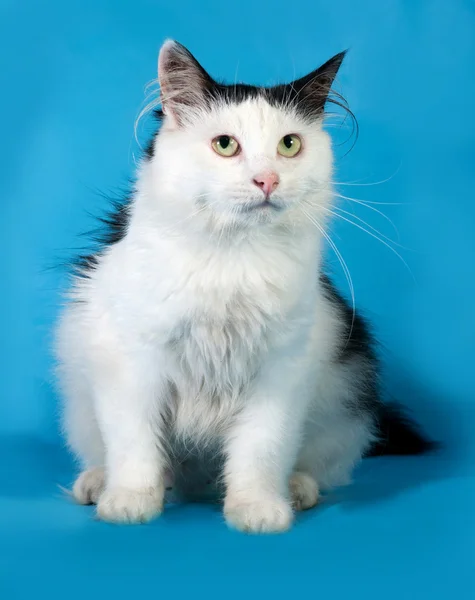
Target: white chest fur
(228,319)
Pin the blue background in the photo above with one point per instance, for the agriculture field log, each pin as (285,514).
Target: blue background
(73,75)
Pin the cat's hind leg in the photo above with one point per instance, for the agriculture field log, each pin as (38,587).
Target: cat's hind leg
(304,491)
(89,486)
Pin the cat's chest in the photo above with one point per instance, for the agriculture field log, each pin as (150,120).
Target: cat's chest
(227,318)
(216,356)
(220,343)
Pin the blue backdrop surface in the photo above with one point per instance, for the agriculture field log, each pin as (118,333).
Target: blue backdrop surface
(73,76)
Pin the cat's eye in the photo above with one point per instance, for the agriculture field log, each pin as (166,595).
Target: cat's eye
(290,145)
(225,145)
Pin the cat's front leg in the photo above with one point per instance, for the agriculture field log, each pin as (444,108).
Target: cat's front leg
(127,394)
(261,450)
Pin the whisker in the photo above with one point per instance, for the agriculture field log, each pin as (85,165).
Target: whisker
(357,183)
(375,237)
(363,203)
(369,226)
(152,100)
(343,264)
(374,202)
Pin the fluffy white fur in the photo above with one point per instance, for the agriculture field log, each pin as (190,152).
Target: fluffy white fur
(204,332)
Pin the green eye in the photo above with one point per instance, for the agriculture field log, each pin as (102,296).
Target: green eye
(225,145)
(289,146)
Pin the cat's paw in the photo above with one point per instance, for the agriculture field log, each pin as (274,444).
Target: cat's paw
(260,515)
(89,486)
(303,491)
(129,506)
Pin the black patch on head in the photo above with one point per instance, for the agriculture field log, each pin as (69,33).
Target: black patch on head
(234,94)
(182,71)
(185,83)
(309,94)
(149,149)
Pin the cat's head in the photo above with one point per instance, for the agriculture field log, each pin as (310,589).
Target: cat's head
(238,154)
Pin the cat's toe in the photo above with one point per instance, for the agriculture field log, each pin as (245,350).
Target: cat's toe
(89,486)
(303,491)
(129,506)
(261,515)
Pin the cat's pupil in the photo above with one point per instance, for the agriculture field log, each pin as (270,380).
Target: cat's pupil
(288,141)
(224,141)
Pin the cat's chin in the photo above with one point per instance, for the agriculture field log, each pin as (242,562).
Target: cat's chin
(257,218)
(261,205)
(259,214)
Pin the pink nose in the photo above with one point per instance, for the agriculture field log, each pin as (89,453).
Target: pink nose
(267,182)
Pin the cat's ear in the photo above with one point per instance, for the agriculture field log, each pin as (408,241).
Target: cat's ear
(184,84)
(314,88)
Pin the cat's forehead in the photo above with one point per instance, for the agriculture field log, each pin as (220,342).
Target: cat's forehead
(252,115)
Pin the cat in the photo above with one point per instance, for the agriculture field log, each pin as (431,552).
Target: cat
(203,343)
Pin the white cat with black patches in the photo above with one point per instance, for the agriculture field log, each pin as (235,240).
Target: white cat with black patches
(203,341)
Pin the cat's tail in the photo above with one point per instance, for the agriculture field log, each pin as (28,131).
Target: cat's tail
(399,435)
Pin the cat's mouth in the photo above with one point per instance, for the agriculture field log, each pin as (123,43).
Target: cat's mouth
(266,204)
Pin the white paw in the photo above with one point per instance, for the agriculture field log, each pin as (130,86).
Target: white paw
(262,515)
(303,491)
(89,486)
(123,505)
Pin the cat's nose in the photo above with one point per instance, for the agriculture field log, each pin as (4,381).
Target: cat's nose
(267,181)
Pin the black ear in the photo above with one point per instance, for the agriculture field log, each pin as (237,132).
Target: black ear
(184,84)
(312,90)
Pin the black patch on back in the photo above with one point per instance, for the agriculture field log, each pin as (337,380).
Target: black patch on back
(357,339)
(113,226)
(112,229)
(356,343)
(397,433)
